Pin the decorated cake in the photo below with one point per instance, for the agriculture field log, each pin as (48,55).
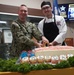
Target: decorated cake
(51,54)
(55,54)
(55,50)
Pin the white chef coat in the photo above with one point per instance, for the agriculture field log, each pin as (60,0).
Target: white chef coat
(61,24)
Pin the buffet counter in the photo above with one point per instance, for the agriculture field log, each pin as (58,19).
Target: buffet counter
(67,71)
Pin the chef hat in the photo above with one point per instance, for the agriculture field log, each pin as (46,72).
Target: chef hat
(45,3)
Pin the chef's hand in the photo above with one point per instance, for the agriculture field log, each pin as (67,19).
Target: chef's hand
(54,43)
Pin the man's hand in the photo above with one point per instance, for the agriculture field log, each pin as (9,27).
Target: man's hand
(38,44)
(45,41)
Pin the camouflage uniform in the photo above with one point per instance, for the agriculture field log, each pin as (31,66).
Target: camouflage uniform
(22,36)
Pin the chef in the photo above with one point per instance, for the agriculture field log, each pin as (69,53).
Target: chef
(53,27)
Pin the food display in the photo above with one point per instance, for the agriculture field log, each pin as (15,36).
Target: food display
(51,54)
(45,58)
(55,54)
(54,50)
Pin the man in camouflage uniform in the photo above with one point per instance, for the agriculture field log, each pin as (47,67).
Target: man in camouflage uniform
(23,32)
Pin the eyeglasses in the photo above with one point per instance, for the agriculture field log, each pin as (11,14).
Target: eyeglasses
(45,8)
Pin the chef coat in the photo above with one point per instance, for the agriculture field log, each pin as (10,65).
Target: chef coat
(61,25)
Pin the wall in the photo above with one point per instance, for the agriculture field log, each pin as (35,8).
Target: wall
(31,3)
(70,32)
(65,1)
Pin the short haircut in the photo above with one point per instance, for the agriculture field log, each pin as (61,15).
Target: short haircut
(45,3)
(23,5)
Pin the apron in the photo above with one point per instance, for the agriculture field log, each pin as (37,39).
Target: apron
(50,31)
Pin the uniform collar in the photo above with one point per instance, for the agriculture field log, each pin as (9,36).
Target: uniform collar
(50,19)
(21,21)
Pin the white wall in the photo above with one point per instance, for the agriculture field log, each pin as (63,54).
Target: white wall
(31,3)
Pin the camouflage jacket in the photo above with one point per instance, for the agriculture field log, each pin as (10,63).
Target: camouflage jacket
(22,36)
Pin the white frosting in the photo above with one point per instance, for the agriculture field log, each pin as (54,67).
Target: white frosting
(33,58)
(47,57)
(40,57)
(55,58)
(63,57)
(70,55)
(25,59)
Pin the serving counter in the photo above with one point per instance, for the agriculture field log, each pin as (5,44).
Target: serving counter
(67,71)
